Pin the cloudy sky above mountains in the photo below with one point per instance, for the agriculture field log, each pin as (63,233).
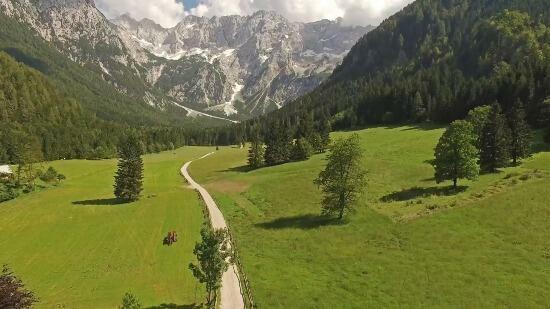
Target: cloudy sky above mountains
(170,12)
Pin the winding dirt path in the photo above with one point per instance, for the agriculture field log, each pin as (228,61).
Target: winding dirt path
(231,296)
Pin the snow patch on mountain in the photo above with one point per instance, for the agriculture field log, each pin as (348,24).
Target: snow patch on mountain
(228,107)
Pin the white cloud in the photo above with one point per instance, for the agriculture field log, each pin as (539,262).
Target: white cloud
(169,12)
(354,12)
(165,12)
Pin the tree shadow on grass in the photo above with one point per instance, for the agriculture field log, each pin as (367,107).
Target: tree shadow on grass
(238,169)
(100,202)
(417,192)
(174,306)
(304,222)
(422,127)
(430,179)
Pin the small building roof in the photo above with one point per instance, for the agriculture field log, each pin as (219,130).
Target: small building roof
(5,169)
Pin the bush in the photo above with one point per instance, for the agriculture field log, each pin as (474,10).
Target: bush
(50,175)
(547,136)
(13,293)
(7,192)
(130,302)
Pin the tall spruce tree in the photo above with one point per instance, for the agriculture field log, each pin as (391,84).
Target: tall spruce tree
(495,141)
(520,133)
(456,154)
(278,144)
(256,152)
(322,139)
(129,176)
(305,126)
(301,150)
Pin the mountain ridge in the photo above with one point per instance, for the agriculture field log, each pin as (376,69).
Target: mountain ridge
(259,54)
(231,67)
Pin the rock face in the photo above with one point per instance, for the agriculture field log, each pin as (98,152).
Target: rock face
(231,66)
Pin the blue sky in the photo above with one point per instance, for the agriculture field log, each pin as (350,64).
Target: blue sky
(189,4)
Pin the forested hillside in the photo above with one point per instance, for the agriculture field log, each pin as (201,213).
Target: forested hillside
(38,123)
(35,117)
(436,60)
(86,84)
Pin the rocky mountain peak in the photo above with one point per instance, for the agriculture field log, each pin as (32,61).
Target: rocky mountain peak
(228,66)
(75,4)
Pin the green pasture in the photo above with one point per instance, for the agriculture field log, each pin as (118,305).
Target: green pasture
(411,243)
(76,248)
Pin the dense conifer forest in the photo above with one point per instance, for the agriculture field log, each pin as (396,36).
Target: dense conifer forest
(432,62)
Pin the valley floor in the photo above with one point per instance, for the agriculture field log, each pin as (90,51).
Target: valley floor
(411,243)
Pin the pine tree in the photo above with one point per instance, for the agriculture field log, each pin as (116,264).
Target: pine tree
(520,133)
(129,176)
(456,154)
(419,109)
(256,152)
(130,301)
(324,136)
(495,143)
(301,150)
(278,145)
(305,126)
(543,119)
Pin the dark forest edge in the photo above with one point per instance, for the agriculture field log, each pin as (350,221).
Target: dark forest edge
(433,62)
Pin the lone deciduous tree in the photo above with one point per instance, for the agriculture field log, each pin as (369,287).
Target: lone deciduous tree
(495,139)
(456,154)
(212,256)
(344,177)
(520,133)
(129,176)
(13,293)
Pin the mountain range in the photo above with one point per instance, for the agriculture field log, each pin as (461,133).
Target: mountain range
(231,67)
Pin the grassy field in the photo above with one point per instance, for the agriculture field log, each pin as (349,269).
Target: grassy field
(76,249)
(411,243)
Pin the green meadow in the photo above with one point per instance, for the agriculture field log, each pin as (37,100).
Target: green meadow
(75,248)
(411,242)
